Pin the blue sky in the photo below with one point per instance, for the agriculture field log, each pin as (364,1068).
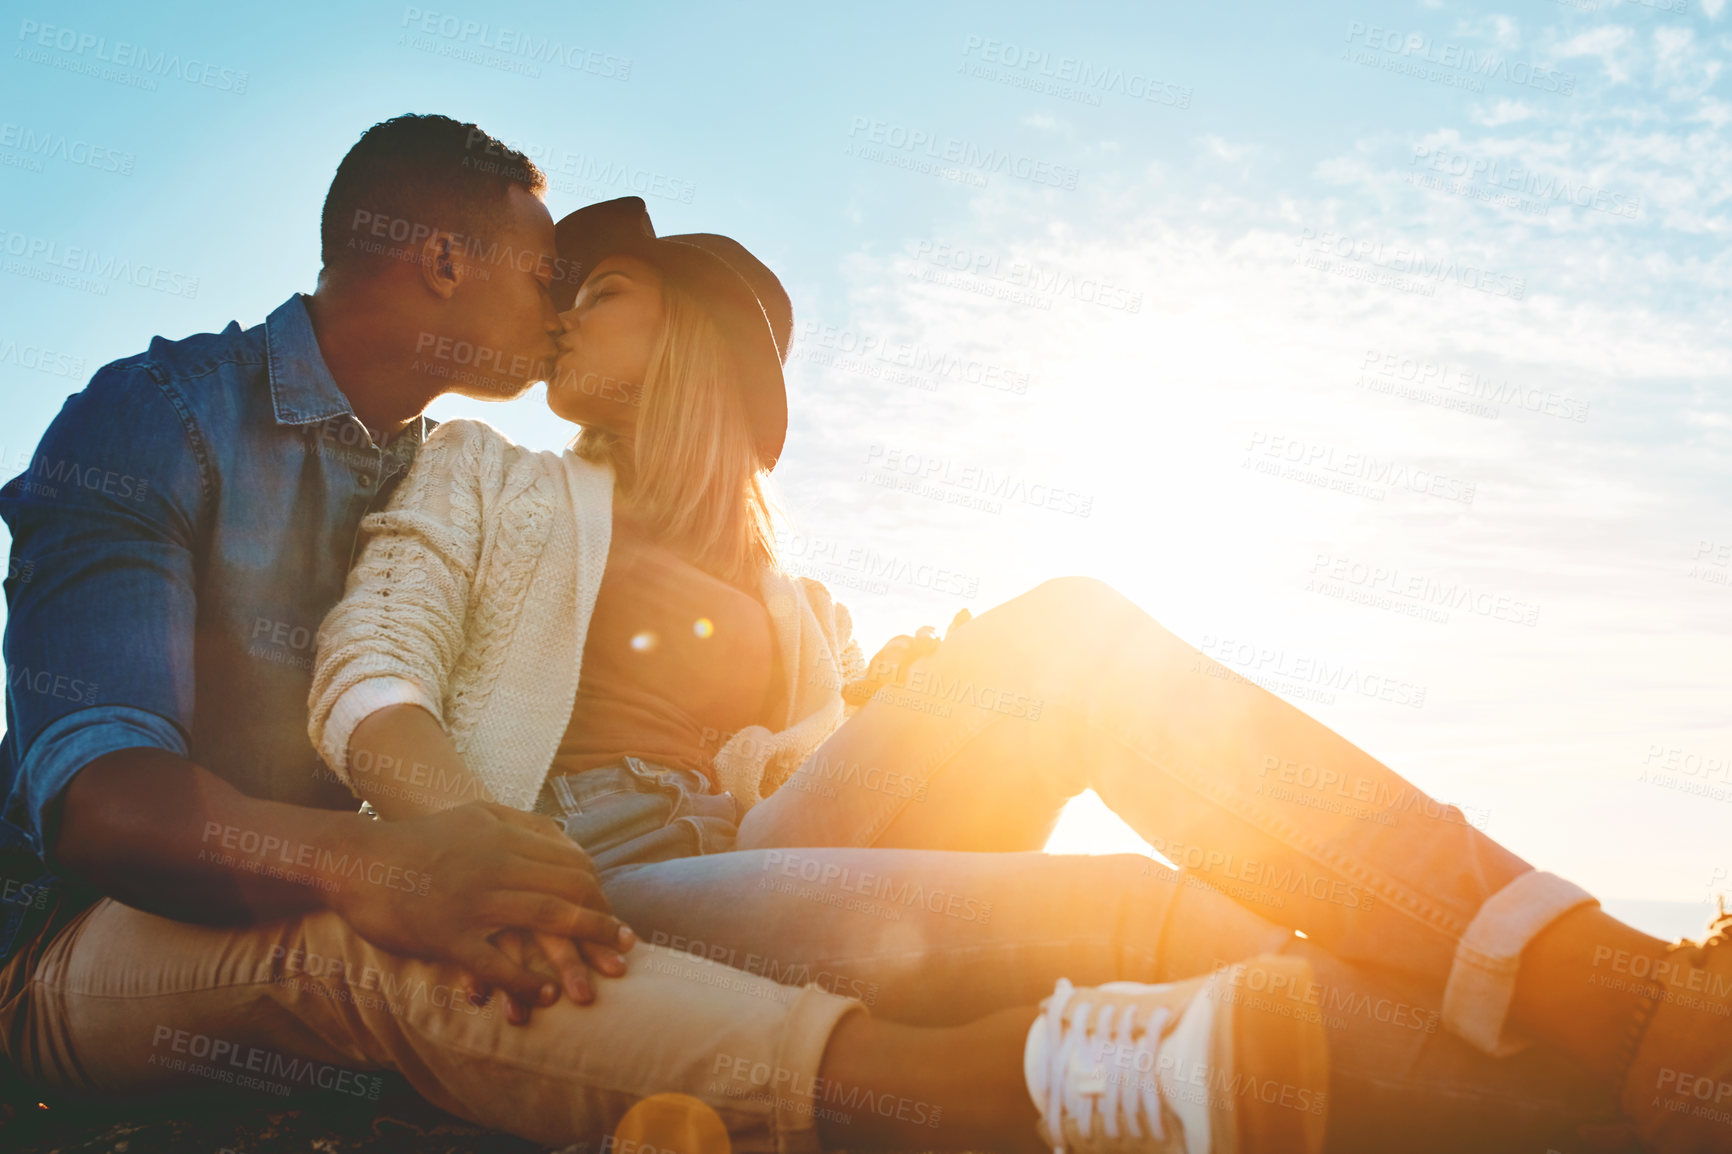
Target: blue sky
(1379,349)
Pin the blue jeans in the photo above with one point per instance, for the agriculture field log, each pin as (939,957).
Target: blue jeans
(635,812)
(900,865)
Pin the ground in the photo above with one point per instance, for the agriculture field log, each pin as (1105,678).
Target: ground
(398,1123)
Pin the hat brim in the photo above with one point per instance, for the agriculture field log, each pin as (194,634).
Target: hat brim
(592,234)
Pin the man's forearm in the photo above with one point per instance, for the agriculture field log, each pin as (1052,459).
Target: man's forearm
(161,834)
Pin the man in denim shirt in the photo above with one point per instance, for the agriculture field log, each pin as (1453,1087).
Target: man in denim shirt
(185,524)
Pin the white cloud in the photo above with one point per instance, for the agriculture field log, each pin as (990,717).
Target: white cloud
(1501,30)
(1680,63)
(1218,148)
(1717,113)
(1504,111)
(1605,43)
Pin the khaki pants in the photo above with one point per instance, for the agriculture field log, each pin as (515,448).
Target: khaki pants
(307,1004)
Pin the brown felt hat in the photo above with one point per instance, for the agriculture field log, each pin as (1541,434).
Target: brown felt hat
(745,298)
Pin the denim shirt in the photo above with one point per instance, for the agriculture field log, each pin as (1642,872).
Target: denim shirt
(185,524)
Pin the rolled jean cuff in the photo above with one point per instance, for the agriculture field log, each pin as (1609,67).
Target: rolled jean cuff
(1482,981)
(812,1018)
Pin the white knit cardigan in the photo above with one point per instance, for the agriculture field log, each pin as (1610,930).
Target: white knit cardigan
(472,598)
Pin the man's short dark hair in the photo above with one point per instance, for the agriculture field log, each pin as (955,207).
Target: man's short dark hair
(412,174)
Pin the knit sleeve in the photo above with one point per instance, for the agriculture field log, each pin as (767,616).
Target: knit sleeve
(755,762)
(399,629)
(852,660)
(838,624)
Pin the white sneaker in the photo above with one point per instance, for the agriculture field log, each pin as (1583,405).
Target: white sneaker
(1232,1063)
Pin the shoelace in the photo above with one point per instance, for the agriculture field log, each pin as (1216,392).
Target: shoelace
(1065,1097)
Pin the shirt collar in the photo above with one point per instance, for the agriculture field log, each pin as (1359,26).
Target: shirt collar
(303,391)
(302,388)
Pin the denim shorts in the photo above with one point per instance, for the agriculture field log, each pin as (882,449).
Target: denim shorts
(634,811)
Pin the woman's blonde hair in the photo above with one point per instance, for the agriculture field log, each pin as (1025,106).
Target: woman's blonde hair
(692,471)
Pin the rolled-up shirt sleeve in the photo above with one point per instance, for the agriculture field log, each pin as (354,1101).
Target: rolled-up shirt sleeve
(101,590)
(73,742)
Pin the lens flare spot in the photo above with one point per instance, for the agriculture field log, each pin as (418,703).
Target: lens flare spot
(703,627)
(643,641)
(675,1124)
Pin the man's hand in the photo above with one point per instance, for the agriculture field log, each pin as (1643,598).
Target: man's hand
(438,886)
(409,734)
(489,867)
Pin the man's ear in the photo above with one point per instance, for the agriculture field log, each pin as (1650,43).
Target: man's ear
(441,264)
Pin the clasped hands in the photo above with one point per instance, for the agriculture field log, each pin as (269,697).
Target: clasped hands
(513,902)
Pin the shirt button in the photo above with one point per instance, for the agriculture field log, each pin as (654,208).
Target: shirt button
(364,479)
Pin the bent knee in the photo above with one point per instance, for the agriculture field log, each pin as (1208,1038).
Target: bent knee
(1082,600)
(1076,590)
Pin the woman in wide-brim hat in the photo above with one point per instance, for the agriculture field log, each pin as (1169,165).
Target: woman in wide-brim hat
(606,636)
